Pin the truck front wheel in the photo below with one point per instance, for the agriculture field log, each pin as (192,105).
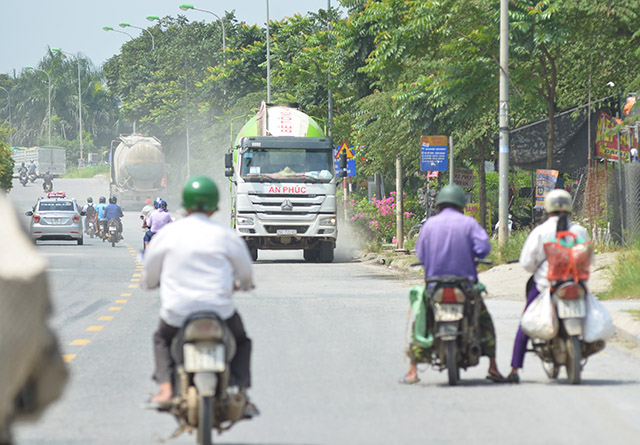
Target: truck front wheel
(326,252)
(254,253)
(311,254)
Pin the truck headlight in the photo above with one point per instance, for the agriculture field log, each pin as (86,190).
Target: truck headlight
(328,221)
(244,221)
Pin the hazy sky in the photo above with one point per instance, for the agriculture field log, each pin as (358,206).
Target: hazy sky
(28,27)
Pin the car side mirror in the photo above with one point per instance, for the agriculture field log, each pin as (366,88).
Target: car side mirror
(29,213)
(228,160)
(83,213)
(228,173)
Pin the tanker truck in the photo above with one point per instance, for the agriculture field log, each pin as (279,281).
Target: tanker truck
(283,186)
(137,170)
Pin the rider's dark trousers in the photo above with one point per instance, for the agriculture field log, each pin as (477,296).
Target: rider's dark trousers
(240,365)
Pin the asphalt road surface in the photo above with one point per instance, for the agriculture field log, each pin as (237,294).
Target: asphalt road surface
(328,351)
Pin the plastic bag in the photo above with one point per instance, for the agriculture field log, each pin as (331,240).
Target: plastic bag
(568,262)
(597,324)
(539,319)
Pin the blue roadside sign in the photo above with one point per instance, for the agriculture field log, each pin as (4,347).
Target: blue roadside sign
(351,161)
(434,153)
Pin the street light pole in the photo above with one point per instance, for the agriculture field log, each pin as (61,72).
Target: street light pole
(186,6)
(10,118)
(503,183)
(268,58)
(129,25)
(109,28)
(49,112)
(79,100)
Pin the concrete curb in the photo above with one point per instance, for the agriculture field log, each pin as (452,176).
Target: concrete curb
(627,327)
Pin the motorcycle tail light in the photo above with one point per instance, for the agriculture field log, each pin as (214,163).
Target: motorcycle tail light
(36,218)
(75,218)
(203,329)
(570,292)
(449,295)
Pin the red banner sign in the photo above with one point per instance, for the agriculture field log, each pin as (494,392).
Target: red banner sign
(607,142)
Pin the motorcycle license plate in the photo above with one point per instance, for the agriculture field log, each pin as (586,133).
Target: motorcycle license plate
(112,230)
(202,357)
(287,232)
(571,308)
(448,312)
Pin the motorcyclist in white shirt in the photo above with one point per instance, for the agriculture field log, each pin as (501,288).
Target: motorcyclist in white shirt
(197,263)
(558,205)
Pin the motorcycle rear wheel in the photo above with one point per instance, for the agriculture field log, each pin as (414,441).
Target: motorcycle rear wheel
(205,420)
(574,357)
(452,364)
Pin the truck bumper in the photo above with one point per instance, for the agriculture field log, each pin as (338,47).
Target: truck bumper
(287,234)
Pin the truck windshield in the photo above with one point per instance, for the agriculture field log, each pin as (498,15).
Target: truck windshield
(289,165)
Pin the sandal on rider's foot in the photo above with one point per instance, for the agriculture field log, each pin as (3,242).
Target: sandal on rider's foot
(497,378)
(250,411)
(513,378)
(405,381)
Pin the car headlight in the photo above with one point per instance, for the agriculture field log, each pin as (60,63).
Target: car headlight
(244,221)
(328,221)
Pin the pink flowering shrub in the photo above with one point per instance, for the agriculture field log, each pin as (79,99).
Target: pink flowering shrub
(376,220)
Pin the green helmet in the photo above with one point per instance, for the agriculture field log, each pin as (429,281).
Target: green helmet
(89,199)
(200,194)
(451,194)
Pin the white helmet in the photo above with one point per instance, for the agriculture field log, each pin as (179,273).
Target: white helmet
(558,200)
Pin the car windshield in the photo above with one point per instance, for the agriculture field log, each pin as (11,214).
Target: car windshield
(56,206)
(292,165)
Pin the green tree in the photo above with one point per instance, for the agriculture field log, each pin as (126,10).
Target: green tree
(6,160)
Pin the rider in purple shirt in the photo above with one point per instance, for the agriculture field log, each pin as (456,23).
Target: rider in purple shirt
(156,220)
(447,245)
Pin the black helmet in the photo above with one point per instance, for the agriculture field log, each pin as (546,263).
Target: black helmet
(103,200)
(163,204)
(113,200)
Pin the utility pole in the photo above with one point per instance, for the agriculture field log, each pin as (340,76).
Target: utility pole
(399,206)
(268,58)
(503,201)
(450,159)
(329,93)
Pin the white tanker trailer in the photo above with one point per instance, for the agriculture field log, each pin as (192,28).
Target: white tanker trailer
(138,170)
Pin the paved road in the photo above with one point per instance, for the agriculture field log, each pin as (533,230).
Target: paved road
(328,341)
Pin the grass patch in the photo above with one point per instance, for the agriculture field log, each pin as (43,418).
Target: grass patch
(626,274)
(88,172)
(511,250)
(635,313)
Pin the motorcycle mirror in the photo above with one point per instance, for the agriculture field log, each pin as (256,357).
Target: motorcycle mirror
(83,213)
(228,160)
(29,213)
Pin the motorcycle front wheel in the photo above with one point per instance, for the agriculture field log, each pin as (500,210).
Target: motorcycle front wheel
(574,357)
(452,364)
(205,418)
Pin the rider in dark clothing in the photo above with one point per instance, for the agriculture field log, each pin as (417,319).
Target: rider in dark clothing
(48,181)
(113,211)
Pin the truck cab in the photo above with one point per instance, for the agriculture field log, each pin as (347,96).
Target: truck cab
(285,195)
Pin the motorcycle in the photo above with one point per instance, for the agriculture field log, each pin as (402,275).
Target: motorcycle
(454,306)
(567,348)
(112,234)
(23,179)
(92,227)
(47,187)
(202,352)
(32,177)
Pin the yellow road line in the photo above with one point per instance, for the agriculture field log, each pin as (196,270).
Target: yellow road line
(68,357)
(80,342)
(106,318)
(121,301)
(126,294)
(115,308)
(95,328)
(133,286)
(137,275)
(135,280)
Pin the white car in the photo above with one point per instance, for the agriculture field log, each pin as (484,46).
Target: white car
(56,217)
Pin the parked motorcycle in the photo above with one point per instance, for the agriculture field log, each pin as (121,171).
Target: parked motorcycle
(454,305)
(202,353)
(567,348)
(23,179)
(112,234)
